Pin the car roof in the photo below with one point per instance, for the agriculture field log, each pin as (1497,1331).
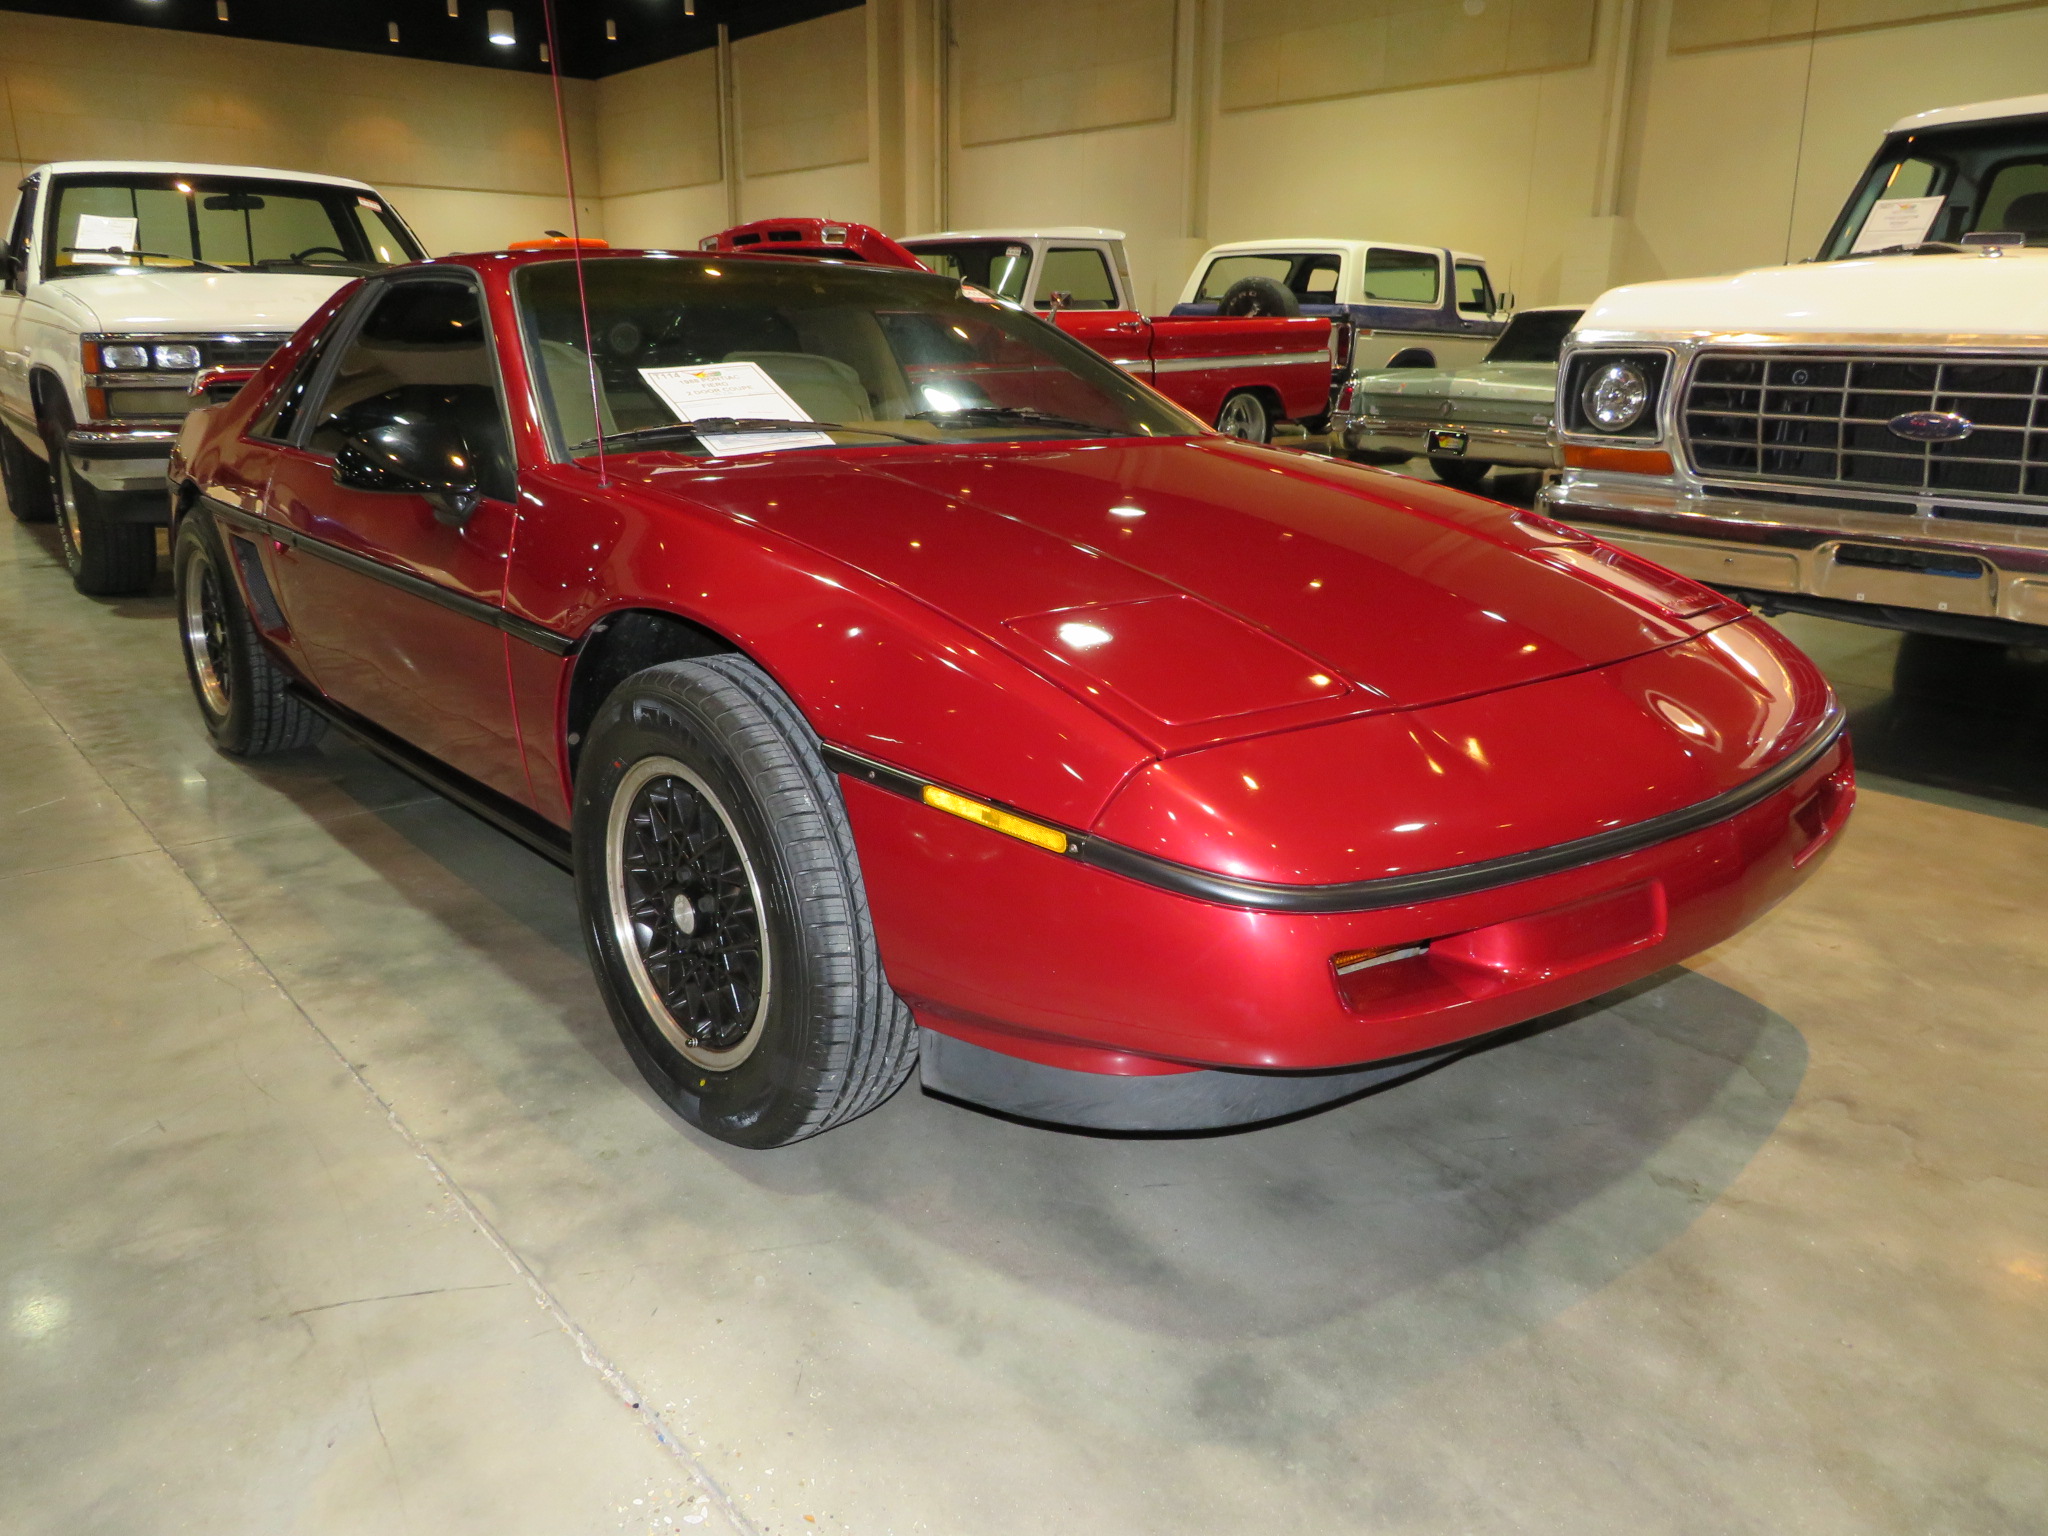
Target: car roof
(193,168)
(1974,112)
(1048,232)
(1322,243)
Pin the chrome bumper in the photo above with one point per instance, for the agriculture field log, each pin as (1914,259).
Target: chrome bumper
(123,459)
(1527,447)
(1893,566)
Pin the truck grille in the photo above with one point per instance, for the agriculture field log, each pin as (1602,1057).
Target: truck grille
(1815,418)
(240,351)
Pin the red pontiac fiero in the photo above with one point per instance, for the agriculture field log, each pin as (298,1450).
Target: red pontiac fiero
(907,688)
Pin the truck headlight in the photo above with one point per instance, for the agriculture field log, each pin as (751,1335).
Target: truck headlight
(124,355)
(180,357)
(1614,397)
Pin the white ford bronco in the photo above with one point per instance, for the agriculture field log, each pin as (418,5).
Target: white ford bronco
(122,283)
(1863,436)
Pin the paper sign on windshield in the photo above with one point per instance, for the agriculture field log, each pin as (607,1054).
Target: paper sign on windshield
(732,389)
(98,232)
(1897,221)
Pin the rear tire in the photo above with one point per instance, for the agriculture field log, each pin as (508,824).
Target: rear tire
(106,557)
(1465,474)
(26,480)
(1244,415)
(722,901)
(242,693)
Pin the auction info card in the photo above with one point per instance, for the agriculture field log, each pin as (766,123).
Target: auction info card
(98,234)
(733,389)
(1896,221)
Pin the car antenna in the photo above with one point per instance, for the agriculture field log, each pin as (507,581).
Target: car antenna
(547,10)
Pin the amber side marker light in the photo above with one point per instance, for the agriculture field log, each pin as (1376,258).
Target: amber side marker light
(1351,961)
(1628,461)
(996,821)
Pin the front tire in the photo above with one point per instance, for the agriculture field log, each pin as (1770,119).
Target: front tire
(26,481)
(106,557)
(1245,415)
(722,903)
(1465,474)
(242,693)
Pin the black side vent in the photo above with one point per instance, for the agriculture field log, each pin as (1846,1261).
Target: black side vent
(257,580)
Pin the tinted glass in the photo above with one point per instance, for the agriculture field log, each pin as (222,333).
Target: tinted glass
(1989,176)
(1475,294)
(175,222)
(1310,276)
(1401,277)
(1534,336)
(903,352)
(1081,274)
(1000,266)
(422,349)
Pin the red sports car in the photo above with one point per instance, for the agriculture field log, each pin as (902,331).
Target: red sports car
(906,687)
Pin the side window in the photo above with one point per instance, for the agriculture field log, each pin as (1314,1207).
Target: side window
(1475,293)
(2016,199)
(1316,280)
(17,239)
(1225,270)
(1401,277)
(276,420)
(423,349)
(1079,272)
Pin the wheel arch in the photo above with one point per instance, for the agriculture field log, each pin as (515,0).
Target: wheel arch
(1412,357)
(620,644)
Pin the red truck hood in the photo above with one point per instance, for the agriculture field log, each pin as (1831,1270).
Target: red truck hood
(1205,590)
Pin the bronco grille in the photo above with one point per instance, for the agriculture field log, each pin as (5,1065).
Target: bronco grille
(1817,418)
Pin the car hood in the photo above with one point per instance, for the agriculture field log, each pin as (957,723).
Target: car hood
(1947,296)
(1201,590)
(199,302)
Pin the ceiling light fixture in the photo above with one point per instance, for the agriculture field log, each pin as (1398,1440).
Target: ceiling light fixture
(499,25)
(545,56)
(611,31)
(454,7)
(689,7)
(220,10)
(391,31)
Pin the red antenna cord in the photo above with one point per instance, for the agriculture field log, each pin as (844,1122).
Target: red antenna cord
(547,10)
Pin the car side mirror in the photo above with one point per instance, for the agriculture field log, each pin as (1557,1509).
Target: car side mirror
(413,455)
(1506,302)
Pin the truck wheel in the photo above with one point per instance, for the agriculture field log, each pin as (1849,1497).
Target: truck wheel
(1244,415)
(25,480)
(1259,296)
(241,691)
(1465,474)
(107,558)
(722,902)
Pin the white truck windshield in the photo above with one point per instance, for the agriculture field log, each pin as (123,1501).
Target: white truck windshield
(1931,189)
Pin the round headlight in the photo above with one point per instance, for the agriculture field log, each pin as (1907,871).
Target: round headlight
(1615,396)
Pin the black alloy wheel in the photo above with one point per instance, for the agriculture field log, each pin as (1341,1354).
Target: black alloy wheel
(1245,415)
(722,902)
(25,480)
(243,695)
(108,556)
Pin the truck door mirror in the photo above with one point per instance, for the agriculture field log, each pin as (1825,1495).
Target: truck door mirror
(1505,304)
(408,454)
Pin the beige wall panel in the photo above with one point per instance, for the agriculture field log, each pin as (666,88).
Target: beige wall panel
(1731,23)
(1280,51)
(803,95)
(407,126)
(1121,178)
(849,192)
(658,126)
(670,220)
(1062,66)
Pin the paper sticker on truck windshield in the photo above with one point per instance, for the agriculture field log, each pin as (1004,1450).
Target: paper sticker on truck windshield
(741,392)
(1896,221)
(98,234)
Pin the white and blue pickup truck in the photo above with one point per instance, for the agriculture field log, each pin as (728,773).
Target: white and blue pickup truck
(1389,305)
(125,282)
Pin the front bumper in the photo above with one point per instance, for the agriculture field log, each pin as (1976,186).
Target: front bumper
(1900,571)
(1486,443)
(122,459)
(1091,976)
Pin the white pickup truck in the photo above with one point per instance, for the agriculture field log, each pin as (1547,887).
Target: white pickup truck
(1863,436)
(124,281)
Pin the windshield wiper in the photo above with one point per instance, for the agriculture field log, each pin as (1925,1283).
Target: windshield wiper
(1917,248)
(1022,413)
(720,426)
(115,250)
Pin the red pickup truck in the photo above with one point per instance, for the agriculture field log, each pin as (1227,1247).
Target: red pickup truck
(1243,374)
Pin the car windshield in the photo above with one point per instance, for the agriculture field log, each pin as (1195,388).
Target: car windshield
(752,350)
(1003,267)
(242,224)
(1931,189)
(1534,336)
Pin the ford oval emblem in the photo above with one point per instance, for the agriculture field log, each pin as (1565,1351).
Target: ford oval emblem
(1931,426)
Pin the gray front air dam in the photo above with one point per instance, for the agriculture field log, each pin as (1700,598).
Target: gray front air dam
(1179,1101)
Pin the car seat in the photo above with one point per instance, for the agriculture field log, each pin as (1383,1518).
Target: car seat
(825,388)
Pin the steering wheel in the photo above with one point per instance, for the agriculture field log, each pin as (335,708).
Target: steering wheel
(298,257)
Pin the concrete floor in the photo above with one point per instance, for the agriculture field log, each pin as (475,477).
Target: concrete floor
(332,1205)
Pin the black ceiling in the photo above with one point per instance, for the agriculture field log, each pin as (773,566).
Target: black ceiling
(648,30)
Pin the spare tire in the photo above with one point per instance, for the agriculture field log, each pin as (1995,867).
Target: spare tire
(1259,296)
